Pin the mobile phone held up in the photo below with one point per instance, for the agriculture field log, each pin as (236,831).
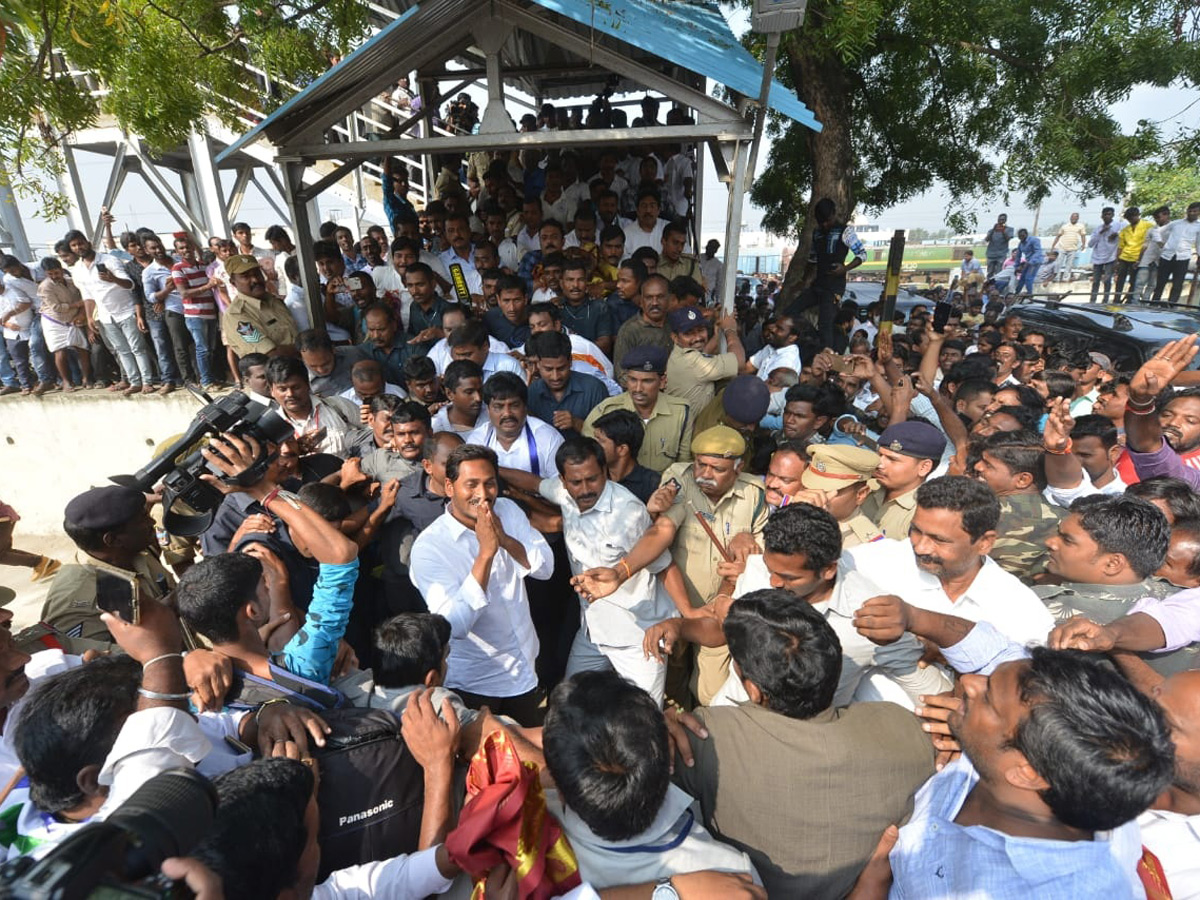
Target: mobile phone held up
(118,596)
(941,315)
(101,268)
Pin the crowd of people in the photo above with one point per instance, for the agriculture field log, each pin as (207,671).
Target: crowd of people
(1145,255)
(614,594)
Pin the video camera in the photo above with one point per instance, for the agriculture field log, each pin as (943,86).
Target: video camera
(120,857)
(236,414)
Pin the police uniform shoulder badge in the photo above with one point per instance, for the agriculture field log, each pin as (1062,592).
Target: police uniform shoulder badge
(248,333)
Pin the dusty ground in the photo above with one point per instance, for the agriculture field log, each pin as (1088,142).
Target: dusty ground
(29,597)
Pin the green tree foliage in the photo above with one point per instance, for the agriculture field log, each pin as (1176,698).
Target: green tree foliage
(993,100)
(1173,183)
(156,66)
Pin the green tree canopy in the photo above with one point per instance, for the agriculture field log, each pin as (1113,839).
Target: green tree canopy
(160,67)
(992,100)
(1175,184)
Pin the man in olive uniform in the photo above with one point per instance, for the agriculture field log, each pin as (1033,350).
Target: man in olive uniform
(1011,465)
(115,534)
(256,321)
(692,374)
(740,405)
(840,477)
(732,502)
(1106,552)
(667,419)
(908,452)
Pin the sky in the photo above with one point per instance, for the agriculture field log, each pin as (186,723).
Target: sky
(136,206)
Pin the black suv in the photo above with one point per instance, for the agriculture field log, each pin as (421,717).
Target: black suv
(1128,334)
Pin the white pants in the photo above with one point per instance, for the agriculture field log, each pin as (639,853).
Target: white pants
(628,662)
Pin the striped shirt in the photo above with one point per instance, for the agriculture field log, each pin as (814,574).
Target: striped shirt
(188,274)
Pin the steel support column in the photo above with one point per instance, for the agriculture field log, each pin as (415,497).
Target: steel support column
(208,186)
(293,178)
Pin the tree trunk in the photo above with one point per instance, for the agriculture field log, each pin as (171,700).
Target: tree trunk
(823,85)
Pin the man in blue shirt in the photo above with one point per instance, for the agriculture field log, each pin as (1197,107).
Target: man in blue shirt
(1029,260)
(559,395)
(1060,756)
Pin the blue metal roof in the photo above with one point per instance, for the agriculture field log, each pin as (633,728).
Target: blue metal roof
(690,33)
(316,86)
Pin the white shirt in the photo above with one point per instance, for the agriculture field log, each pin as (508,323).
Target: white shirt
(1175,839)
(600,537)
(297,305)
(860,657)
(678,169)
(113,302)
(398,878)
(17,327)
(527,242)
(635,238)
(561,210)
(994,596)
(510,256)
(1064,496)
(1180,239)
(389,285)
(493,646)
(769,358)
(501,362)
(440,353)
(536,442)
(441,421)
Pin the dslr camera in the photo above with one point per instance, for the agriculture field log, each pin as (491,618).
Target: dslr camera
(119,858)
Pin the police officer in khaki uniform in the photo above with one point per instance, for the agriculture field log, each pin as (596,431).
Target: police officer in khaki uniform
(692,374)
(667,419)
(908,452)
(256,321)
(732,502)
(115,534)
(838,479)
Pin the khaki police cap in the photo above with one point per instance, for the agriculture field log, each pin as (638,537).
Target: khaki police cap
(720,440)
(835,466)
(241,263)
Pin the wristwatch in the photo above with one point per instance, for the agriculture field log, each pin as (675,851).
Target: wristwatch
(664,890)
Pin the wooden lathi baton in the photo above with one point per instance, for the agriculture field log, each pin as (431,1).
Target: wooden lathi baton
(712,535)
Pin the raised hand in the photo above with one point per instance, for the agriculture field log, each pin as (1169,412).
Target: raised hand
(1162,368)
(1059,424)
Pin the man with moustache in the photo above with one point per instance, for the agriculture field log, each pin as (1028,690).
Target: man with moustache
(470,566)
(692,374)
(649,328)
(256,321)
(602,522)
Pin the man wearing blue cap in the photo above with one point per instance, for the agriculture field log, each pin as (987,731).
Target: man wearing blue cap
(667,419)
(692,373)
(740,405)
(908,452)
(114,533)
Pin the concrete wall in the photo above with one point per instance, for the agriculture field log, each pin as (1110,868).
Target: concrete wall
(56,446)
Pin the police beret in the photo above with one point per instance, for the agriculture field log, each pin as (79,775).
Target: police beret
(720,440)
(105,508)
(647,358)
(915,439)
(242,263)
(746,399)
(685,319)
